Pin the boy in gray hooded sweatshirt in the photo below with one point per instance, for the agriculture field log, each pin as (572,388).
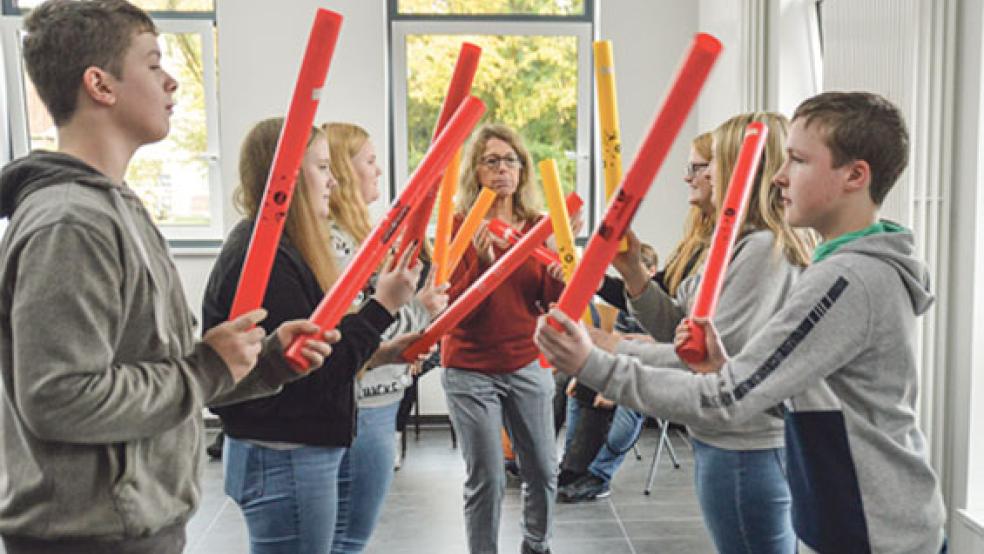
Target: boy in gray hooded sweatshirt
(836,362)
(102,381)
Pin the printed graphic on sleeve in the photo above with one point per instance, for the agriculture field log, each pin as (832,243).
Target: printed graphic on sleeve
(820,309)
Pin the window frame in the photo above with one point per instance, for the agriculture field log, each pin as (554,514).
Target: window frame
(581,26)
(18,126)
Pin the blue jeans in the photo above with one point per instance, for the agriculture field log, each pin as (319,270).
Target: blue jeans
(625,430)
(288,497)
(364,478)
(745,499)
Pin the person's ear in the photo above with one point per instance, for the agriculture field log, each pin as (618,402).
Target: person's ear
(97,84)
(858,175)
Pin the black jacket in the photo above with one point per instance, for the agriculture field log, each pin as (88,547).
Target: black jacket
(320,408)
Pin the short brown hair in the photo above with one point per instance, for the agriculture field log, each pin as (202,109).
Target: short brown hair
(861,126)
(66,37)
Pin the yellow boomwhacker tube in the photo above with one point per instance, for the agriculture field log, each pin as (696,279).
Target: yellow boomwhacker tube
(468,227)
(611,137)
(445,217)
(561,222)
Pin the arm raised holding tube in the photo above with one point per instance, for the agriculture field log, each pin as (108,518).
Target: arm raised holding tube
(726,233)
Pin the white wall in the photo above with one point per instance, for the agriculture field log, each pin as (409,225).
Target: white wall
(965,312)
(649,41)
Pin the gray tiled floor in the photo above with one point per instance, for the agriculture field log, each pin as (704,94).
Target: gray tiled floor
(423,510)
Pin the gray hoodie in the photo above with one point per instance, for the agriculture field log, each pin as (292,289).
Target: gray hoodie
(758,280)
(102,382)
(838,363)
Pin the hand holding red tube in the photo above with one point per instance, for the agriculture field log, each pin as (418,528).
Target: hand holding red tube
(730,218)
(334,305)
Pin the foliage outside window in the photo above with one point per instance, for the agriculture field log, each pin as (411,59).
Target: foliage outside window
(489,7)
(527,82)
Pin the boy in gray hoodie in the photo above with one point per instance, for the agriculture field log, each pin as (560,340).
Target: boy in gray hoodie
(836,362)
(102,381)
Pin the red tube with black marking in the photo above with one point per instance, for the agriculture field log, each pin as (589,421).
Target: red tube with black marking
(458,89)
(291,145)
(604,243)
(336,303)
(725,235)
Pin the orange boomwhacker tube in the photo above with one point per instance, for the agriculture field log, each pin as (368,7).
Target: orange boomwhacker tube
(604,243)
(468,226)
(723,241)
(504,231)
(279,189)
(458,89)
(483,287)
(338,300)
(445,218)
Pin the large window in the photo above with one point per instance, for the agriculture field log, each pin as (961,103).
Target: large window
(538,51)
(178,177)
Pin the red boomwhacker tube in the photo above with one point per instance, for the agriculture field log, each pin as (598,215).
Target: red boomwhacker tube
(506,232)
(291,145)
(723,242)
(338,300)
(458,89)
(492,278)
(603,244)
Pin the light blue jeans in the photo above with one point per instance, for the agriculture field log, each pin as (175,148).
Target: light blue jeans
(625,430)
(745,499)
(288,497)
(364,478)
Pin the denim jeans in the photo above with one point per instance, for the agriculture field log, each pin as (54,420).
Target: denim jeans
(479,403)
(364,478)
(288,497)
(625,430)
(745,499)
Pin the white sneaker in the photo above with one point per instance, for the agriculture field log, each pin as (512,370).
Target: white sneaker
(398,457)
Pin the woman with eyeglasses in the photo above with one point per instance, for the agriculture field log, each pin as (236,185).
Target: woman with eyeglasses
(492,373)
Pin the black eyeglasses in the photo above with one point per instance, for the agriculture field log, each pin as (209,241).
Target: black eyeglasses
(693,168)
(492,162)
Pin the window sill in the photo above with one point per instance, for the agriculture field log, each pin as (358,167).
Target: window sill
(974,520)
(189,248)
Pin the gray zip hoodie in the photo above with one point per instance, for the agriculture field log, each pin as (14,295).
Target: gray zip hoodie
(838,362)
(758,280)
(102,382)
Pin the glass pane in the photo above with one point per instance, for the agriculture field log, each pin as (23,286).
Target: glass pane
(149,5)
(171,176)
(488,7)
(540,70)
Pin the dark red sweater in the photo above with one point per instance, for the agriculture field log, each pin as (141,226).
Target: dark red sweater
(497,337)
